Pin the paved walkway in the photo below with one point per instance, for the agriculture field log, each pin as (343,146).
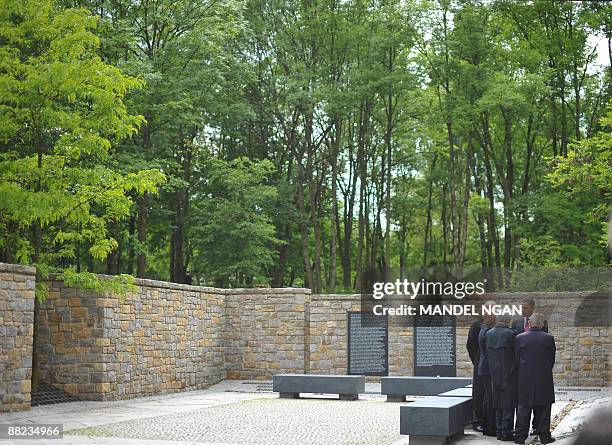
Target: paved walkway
(241,412)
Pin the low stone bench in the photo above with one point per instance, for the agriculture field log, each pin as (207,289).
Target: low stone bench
(432,420)
(348,387)
(397,388)
(459,392)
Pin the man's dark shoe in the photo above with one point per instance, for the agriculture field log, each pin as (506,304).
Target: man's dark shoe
(519,441)
(547,440)
(506,438)
(533,432)
(479,429)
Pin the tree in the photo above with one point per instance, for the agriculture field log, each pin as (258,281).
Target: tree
(586,173)
(233,234)
(61,111)
(402,134)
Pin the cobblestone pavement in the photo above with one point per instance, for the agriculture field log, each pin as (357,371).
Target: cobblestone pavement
(240,413)
(270,422)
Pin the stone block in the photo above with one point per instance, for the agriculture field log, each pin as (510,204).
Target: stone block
(459,392)
(436,416)
(26,387)
(103,387)
(311,383)
(421,386)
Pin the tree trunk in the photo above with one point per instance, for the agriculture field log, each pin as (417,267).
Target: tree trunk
(279,271)
(180,214)
(402,235)
(387,202)
(314,220)
(111,259)
(308,279)
(491,218)
(564,136)
(444,218)
(463,220)
(335,145)
(349,206)
(362,163)
(142,236)
(428,222)
(507,187)
(131,250)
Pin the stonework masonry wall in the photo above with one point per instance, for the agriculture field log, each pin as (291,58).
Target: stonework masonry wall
(167,337)
(17,285)
(329,338)
(266,332)
(162,338)
(582,359)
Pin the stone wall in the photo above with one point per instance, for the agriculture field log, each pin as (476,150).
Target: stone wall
(329,338)
(266,332)
(17,285)
(167,337)
(162,338)
(328,332)
(582,352)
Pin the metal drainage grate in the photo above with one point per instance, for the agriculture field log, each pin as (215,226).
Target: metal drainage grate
(260,386)
(582,389)
(48,395)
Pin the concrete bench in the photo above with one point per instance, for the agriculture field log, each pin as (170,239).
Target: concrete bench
(397,388)
(348,387)
(459,392)
(432,420)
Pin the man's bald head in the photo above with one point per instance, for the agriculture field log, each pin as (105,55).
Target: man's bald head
(489,319)
(536,320)
(504,319)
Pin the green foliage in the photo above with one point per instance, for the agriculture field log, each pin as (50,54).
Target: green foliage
(117,285)
(61,111)
(587,169)
(544,251)
(302,143)
(234,237)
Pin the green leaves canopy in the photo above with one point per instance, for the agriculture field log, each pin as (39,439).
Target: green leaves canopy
(61,111)
(234,234)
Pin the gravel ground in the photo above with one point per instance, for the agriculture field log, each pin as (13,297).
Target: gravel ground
(269,422)
(247,412)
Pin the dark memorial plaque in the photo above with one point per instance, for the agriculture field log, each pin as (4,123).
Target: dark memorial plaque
(368,344)
(434,345)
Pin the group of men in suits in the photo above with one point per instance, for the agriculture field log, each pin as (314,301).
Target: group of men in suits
(512,375)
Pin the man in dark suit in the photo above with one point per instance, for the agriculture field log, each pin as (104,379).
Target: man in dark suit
(535,356)
(522,324)
(484,375)
(504,376)
(477,392)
